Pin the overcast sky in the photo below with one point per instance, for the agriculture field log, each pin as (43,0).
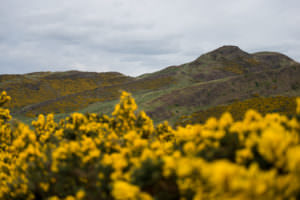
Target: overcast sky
(138,36)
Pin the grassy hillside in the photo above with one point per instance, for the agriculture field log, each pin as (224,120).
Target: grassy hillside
(264,105)
(62,92)
(35,88)
(220,77)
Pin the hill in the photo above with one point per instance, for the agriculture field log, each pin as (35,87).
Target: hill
(220,77)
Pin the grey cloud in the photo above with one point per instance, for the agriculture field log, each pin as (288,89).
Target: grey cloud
(138,36)
(135,46)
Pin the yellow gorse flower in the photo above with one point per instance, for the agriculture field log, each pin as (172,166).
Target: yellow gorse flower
(298,106)
(124,156)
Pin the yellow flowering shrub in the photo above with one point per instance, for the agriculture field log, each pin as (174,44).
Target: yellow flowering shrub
(124,156)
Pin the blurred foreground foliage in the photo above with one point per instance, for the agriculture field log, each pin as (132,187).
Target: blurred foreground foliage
(125,157)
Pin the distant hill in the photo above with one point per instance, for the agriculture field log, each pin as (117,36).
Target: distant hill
(220,77)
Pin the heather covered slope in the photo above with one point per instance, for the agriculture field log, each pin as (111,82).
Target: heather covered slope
(220,77)
(36,88)
(224,76)
(61,92)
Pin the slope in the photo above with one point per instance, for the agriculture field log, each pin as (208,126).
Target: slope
(219,77)
(226,75)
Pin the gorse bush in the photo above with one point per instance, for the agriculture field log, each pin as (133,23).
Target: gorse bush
(125,157)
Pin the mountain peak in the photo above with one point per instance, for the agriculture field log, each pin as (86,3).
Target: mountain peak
(228,50)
